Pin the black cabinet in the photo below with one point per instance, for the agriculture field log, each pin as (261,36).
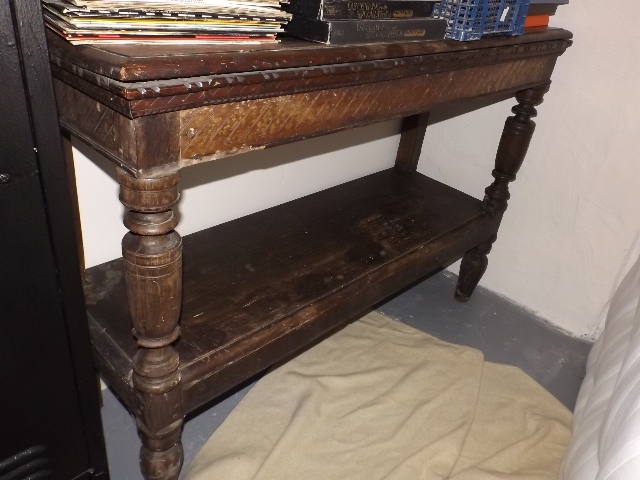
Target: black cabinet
(49,410)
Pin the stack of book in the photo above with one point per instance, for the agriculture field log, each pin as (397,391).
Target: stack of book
(165,21)
(364,21)
(540,12)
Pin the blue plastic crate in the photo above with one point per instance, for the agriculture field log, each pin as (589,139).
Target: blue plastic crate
(472,19)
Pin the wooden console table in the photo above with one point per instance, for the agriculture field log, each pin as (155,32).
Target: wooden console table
(252,291)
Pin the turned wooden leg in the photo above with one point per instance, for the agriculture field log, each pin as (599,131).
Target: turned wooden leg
(152,254)
(512,150)
(411,138)
(474,264)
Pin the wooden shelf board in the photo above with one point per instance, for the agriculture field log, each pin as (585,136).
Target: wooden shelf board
(259,288)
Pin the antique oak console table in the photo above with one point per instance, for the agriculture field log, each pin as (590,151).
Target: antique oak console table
(172,331)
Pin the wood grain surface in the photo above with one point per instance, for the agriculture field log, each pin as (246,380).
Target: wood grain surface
(159,144)
(136,63)
(216,131)
(168,118)
(163,95)
(257,288)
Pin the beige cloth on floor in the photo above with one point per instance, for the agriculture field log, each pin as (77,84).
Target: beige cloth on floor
(381,400)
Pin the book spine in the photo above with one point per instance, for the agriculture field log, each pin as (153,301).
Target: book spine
(363,9)
(542,9)
(342,32)
(376,10)
(536,21)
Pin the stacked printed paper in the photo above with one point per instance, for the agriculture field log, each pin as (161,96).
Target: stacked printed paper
(165,21)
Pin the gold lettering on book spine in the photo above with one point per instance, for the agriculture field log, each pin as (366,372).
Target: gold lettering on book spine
(415,32)
(402,14)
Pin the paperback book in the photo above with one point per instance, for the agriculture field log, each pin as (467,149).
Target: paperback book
(166,21)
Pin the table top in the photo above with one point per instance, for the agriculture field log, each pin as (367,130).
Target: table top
(139,63)
(142,80)
(171,107)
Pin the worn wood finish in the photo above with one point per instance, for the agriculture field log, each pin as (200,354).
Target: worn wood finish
(514,143)
(473,266)
(108,131)
(260,287)
(152,127)
(414,128)
(216,131)
(147,98)
(162,143)
(134,145)
(142,63)
(152,261)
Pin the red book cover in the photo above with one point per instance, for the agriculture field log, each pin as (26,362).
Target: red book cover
(536,21)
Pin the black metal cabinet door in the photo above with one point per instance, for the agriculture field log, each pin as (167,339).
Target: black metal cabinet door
(49,413)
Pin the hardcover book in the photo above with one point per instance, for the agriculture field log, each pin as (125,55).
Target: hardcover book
(536,21)
(363,9)
(341,32)
(542,9)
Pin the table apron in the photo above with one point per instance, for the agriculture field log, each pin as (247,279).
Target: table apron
(157,144)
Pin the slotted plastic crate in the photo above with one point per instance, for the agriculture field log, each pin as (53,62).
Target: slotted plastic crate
(473,19)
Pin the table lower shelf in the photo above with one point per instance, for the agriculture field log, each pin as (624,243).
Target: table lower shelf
(259,288)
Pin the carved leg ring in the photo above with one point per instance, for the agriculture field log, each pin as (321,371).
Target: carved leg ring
(512,150)
(152,254)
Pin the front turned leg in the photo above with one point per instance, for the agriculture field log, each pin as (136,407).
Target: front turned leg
(152,253)
(514,143)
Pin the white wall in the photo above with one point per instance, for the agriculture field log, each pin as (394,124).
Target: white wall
(219,191)
(575,206)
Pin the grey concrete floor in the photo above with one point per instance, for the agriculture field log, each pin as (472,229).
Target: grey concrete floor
(505,332)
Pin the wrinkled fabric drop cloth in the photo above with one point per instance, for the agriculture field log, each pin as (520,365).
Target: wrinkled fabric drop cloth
(381,400)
